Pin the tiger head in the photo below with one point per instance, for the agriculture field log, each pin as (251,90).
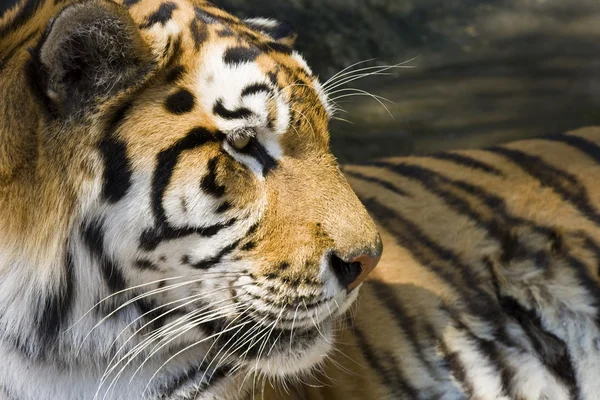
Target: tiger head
(166,169)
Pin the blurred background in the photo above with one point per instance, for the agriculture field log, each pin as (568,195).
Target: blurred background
(487,71)
(483,71)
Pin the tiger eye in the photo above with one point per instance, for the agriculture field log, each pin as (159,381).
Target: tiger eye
(241,142)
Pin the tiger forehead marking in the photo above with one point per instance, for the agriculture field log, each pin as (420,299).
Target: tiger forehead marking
(182,223)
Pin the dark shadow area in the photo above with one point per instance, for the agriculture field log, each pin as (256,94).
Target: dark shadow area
(487,71)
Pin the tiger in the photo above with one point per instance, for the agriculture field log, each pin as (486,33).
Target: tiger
(173,223)
(488,287)
(200,241)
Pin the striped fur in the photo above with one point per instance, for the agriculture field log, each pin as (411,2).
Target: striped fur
(169,207)
(488,288)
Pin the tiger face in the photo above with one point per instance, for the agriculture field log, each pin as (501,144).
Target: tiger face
(189,151)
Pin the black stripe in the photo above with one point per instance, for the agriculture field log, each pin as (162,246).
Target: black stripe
(174,74)
(56,307)
(145,265)
(585,146)
(189,377)
(239,55)
(272,75)
(256,88)
(274,47)
(593,247)
(199,33)
(205,17)
(178,382)
(160,16)
(256,150)
(112,276)
(180,102)
(467,161)
(225,32)
(94,239)
(156,316)
(390,375)
(487,349)
(209,181)
(129,3)
(552,351)
(457,369)
(280,30)
(387,185)
(19,46)
(249,246)
(172,52)
(565,184)
(406,322)
(118,116)
(223,207)
(166,161)
(151,238)
(212,261)
(23,15)
(238,113)
(116,177)
(496,221)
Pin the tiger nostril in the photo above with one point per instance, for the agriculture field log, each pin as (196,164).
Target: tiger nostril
(346,272)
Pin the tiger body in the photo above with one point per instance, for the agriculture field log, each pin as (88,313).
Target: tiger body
(488,286)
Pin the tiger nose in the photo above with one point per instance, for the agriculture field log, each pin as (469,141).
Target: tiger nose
(353,272)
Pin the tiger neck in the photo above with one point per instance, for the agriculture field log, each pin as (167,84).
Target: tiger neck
(44,335)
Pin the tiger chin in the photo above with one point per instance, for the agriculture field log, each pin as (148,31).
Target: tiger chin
(173,222)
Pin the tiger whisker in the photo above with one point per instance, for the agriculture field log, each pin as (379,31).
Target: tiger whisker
(264,344)
(356,77)
(139,297)
(223,347)
(147,358)
(344,120)
(133,353)
(293,323)
(258,329)
(157,332)
(116,294)
(360,91)
(189,347)
(314,323)
(359,74)
(188,300)
(368,95)
(346,69)
(306,118)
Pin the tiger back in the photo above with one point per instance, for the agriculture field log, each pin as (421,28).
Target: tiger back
(488,287)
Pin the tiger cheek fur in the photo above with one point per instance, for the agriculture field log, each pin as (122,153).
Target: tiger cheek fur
(174,218)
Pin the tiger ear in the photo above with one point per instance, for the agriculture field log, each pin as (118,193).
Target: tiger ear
(92,51)
(280,31)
